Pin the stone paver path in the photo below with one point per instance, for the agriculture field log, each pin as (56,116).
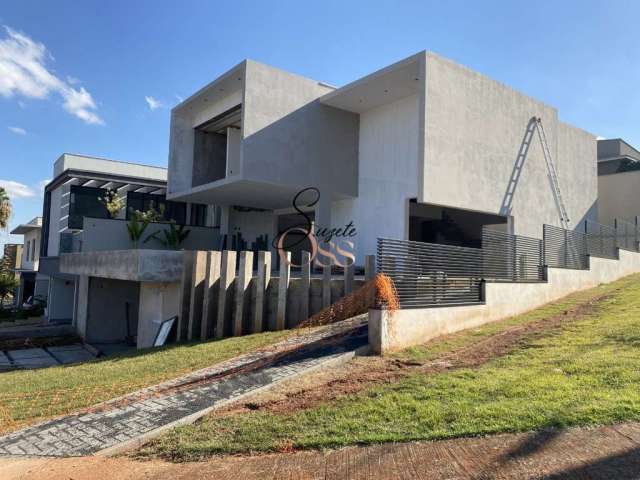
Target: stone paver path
(128,418)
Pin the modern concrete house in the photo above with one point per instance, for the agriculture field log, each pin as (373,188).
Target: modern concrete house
(32,284)
(618,181)
(424,149)
(75,220)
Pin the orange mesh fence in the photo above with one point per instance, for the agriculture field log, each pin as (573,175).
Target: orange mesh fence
(377,293)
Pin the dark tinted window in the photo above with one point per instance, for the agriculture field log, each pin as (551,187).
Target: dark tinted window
(176,211)
(85,202)
(198,215)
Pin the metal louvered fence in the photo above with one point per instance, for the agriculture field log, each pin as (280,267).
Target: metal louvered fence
(429,274)
(512,258)
(627,234)
(601,240)
(565,248)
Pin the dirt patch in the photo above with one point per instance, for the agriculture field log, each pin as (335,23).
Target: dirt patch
(603,453)
(367,372)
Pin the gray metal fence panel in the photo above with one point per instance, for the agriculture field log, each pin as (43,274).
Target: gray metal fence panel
(427,274)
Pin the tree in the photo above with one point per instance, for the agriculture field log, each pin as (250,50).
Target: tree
(5,209)
(113,203)
(7,285)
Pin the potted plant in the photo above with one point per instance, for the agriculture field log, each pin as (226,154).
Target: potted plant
(171,238)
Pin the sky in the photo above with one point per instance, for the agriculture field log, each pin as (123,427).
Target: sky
(99,78)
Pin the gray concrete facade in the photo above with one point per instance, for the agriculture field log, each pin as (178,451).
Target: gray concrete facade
(424,129)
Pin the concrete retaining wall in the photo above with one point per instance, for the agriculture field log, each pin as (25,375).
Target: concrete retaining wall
(405,328)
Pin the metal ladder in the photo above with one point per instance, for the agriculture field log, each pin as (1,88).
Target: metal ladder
(553,175)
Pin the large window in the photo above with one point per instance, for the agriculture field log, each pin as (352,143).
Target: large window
(198,215)
(85,202)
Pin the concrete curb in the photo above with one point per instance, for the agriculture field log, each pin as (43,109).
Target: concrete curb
(138,442)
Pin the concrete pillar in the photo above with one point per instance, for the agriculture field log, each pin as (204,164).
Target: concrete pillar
(283,288)
(305,286)
(185,296)
(262,282)
(245,272)
(82,310)
(211,287)
(349,270)
(326,284)
(227,275)
(159,301)
(196,298)
(369,267)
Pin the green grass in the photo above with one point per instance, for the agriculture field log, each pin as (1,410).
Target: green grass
(31,395)
(585,374)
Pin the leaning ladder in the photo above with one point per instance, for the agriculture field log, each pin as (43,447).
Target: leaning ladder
(553,175)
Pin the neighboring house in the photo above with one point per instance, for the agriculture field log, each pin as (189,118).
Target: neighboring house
(75,219)
(11,259)
(618,181)
(32,284)
(424,149)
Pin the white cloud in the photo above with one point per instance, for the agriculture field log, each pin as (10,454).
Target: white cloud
(23,72)
(153,103)
(17,189)
(179,98)
(17,130)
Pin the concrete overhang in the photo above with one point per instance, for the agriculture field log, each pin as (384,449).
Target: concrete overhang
(25,228)
(245,193)
(230,81)
(134,265)
(392,83)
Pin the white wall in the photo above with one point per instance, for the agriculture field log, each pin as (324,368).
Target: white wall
(54,219)
(158,302)
(31,251)
(387,175)
(60,299)
(93,164)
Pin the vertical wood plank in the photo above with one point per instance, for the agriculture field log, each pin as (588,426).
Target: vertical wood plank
(349,271)
(369,267)
(196,296)
(185,296)
(262,282)
(305,286)
(283,289)
(227,275)
(211,287)
(326,285)
(245,272)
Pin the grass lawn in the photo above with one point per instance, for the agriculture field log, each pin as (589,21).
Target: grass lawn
(584,374)
(30,395)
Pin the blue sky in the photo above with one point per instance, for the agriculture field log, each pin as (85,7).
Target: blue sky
(87,68)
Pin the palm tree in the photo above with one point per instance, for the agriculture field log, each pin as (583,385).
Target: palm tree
(5,208)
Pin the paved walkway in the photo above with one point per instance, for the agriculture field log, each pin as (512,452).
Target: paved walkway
(27,358)
(124,420)
(607,453)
